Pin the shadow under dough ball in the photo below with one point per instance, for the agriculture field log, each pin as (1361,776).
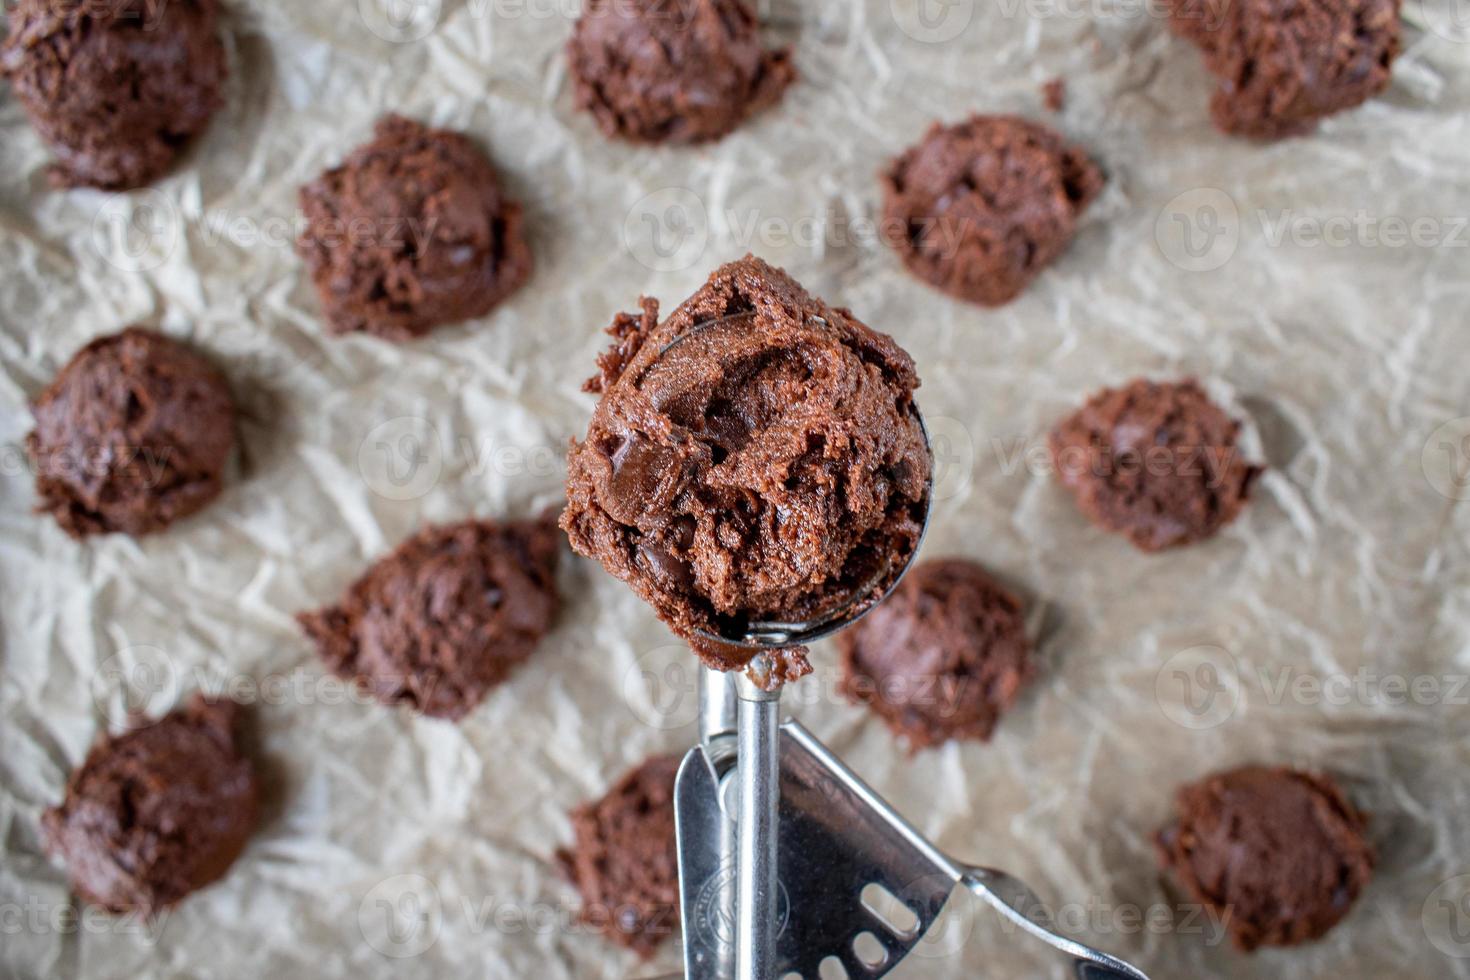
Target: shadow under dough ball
(134,434)
(411,232)
(159,812)
(1283,65)
(757,456)
(979,208)
(624,859)
(1279,856)
(673,71)
(446,617)
(118,89)
(944,657)
(1157,462)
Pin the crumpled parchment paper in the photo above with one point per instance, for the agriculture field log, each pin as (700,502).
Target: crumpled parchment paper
(1290,276)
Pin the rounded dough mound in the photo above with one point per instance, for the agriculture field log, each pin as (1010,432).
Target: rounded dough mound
(943,657)
(1157,462)
(411,232)
(979,208)
(134,434)
(118,89)
(657,71)
(159,812)
(446,617)
(1280,856)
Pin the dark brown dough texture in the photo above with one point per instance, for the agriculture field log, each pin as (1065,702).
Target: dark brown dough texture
(673,71)
(1283,65)
(943,657)
(446,617)
(117,88)
(1280,856)
(625,858)
(134,434)
(755,457)
(411,232)
(979,208)
(159,812)
(1158,462)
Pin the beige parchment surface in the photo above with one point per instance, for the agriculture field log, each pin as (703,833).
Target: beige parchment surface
(1352,567)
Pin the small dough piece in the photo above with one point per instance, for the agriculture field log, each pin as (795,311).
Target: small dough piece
(446,617)
(655,71)
(979,208)
(1283,65)
(134,434)
(117,89)
(1158,462)
(159,812)
(1279,855)
(942,658)
(625,859)
(413,231)
(755,457)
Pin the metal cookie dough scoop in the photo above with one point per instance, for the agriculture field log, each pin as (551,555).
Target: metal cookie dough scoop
(780,846)
(855,882)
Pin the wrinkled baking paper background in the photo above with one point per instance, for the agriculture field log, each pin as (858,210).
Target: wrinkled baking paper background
(394,846)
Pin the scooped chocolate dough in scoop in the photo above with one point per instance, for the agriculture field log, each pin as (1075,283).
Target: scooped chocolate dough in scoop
(755,457)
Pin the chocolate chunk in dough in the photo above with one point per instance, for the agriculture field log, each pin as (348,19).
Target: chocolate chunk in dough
(117,89)
(942,658)
(625,858)
(673,71)
(1158,462)
(979,208)
(1283,65)
(1278,855)
(446,617)
(412,232)
(756,457)
(159,812)
(133,434)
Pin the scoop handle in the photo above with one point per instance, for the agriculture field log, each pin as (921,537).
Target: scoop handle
(758,771)
(1016,902)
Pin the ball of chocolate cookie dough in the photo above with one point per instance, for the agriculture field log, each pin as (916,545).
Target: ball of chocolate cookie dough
(625,860)
(413,231)
(159,812)
(660,72)
(1157,462)
(756,457)
(1283,65)
(1277,855)
(943,657)
(979,208)
(446,617)
(117,89)
(134,434)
